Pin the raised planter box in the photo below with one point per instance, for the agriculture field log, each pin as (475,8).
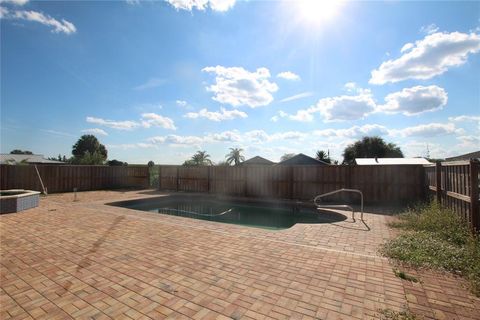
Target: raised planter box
(18,200)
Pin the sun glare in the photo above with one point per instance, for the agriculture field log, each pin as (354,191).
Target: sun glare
(317,12)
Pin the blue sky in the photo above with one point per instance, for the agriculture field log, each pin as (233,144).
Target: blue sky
(159,80)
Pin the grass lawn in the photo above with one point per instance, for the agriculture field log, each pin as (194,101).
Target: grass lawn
(436,238)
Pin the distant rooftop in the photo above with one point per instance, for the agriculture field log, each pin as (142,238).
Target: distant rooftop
(467,156)
(301,159)
(257,160)
(390,161)
(7,158)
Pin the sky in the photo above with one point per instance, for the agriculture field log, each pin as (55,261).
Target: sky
(159,80)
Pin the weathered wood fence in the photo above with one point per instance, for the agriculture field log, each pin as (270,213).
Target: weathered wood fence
(379,184)
(455,185)
(64,178)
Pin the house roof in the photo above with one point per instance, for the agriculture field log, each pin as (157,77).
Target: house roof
(257,160)
(301,159)
(390,161)
(467,156)
(29,158)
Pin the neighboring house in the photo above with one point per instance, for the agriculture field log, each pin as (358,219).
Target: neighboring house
(467,156)
(390,161)
(302,160)
(7,158)
(257,161)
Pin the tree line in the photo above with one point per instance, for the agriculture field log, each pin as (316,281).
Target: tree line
(89,151)
(367,147)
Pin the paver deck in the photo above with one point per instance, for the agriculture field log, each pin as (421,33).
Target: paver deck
(88,260)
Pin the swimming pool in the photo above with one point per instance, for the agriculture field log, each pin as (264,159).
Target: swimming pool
(261,214)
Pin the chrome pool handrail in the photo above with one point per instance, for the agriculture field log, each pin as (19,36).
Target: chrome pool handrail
(197,213)
(340,206)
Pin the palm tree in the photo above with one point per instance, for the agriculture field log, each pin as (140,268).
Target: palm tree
(201,158)
(235,155)
(323,156)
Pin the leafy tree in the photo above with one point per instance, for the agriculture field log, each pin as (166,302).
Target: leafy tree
(150,163)
(90,148)
(200,158)
(115,162)
(88,158)
(287,156)
(18,151)
(223,164)
(235,156)
(323,156)
(370,147)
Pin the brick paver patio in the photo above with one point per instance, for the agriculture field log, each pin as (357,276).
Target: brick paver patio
(88,260)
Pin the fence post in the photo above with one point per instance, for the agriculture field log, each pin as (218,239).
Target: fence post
(159,177)
(177,179)
(290,189)
(438,181)
(245,188)
(208,179)
(474,195)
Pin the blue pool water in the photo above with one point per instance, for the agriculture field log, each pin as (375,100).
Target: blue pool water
(254,214)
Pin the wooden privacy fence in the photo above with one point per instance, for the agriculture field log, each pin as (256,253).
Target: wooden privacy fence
(378,183)
(64,178)
(455,186)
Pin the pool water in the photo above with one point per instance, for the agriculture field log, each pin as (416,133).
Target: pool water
(262,215)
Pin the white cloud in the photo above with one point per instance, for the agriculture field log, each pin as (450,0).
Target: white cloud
(58,133)
(350,86)
(147,120)
(127,146)
(469,141)
(215,5)
(62,26)
(120,125)
(428,57)
(238,87)
(427,130)
(353,132)
(288,75)
(95,131)
(156,120)
(15,2)
(297,96)
(464,118)
(415,100)
(181,103)
(409,101)
(132,2)
(216,115)
(340,108)
(431,28)
(151,83)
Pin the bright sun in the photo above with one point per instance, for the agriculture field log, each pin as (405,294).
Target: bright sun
(317,12)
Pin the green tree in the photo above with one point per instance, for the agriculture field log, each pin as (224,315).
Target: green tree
(235,156)
(91,149)
(18,151)
(200,158)
(150,163)
(370,147)
(116,162)
(287,156)
(323,156)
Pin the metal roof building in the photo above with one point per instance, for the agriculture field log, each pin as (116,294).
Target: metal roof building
(7,158)
(390,161)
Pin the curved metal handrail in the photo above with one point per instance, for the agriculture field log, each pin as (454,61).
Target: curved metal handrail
(196,213)
(343,206)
